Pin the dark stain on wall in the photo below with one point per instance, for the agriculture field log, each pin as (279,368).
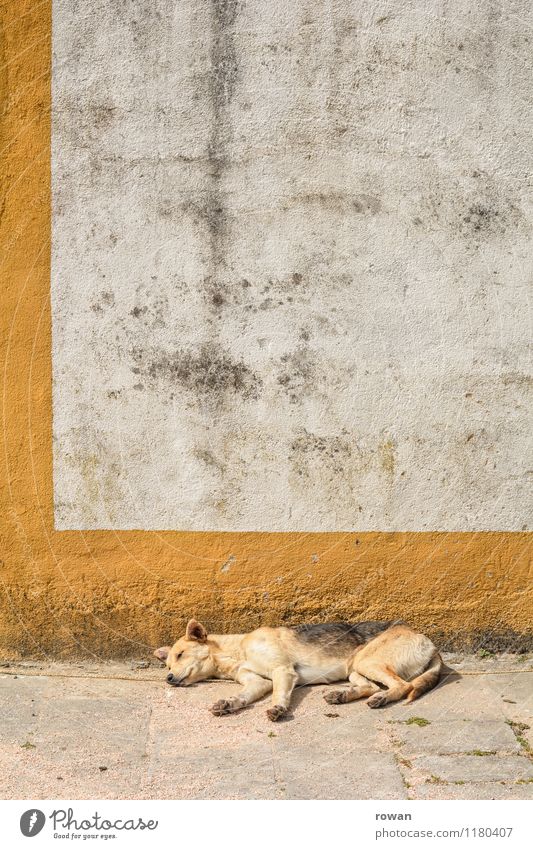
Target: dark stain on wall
(102,114)
(223,51)
(332,462)
(103,302)
(209,458)
(217,294)
(297,374)
(208,371)
(337,202)
(478,212)
(224,71)
(333,451)
(224,292)
(485,218)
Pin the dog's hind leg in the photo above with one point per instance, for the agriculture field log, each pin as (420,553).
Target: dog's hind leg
(383,674)
(284,679)
(361,688)
(254,688)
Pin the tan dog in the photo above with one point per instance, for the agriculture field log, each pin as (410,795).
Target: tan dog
(275,660)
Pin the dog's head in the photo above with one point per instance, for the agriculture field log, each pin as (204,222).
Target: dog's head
(189,659)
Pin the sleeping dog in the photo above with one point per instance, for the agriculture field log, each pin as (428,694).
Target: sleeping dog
(274,660)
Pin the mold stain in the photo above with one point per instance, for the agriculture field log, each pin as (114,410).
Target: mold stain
(223,51)
(208,458)
(337,202)
(297,375)
(102,115)
(138,311)
(99,481)
(484,219)
(490,217)
(387,456)
(102,302)
(224,71)
(332,452)
(334,466)
(217,293)
(208,371)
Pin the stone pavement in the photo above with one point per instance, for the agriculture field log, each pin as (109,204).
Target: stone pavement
(118,731)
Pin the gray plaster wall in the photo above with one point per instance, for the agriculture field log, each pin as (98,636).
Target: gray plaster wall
(291,264)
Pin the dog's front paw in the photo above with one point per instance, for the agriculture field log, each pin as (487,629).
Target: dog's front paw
(277,712)
(220,708)
(225,706)
(377,700)
(335,697)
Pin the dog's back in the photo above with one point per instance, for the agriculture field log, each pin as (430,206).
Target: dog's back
(340,637)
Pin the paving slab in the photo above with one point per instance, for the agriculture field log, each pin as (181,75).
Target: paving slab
(243,772)
(513,691)
(92,724)
(477,790)
(18,721)
(476,768)
(460,735)
(342,775)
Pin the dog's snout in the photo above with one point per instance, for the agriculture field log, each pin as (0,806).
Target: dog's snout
(170,678)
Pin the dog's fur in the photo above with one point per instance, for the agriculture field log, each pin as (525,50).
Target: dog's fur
(275,660)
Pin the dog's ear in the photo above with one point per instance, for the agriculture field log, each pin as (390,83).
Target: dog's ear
(162,653)
(196,631)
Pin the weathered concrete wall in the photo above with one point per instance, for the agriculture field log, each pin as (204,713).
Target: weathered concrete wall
(110,593)
(291,265)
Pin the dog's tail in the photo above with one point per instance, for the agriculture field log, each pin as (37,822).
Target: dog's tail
(429,679)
